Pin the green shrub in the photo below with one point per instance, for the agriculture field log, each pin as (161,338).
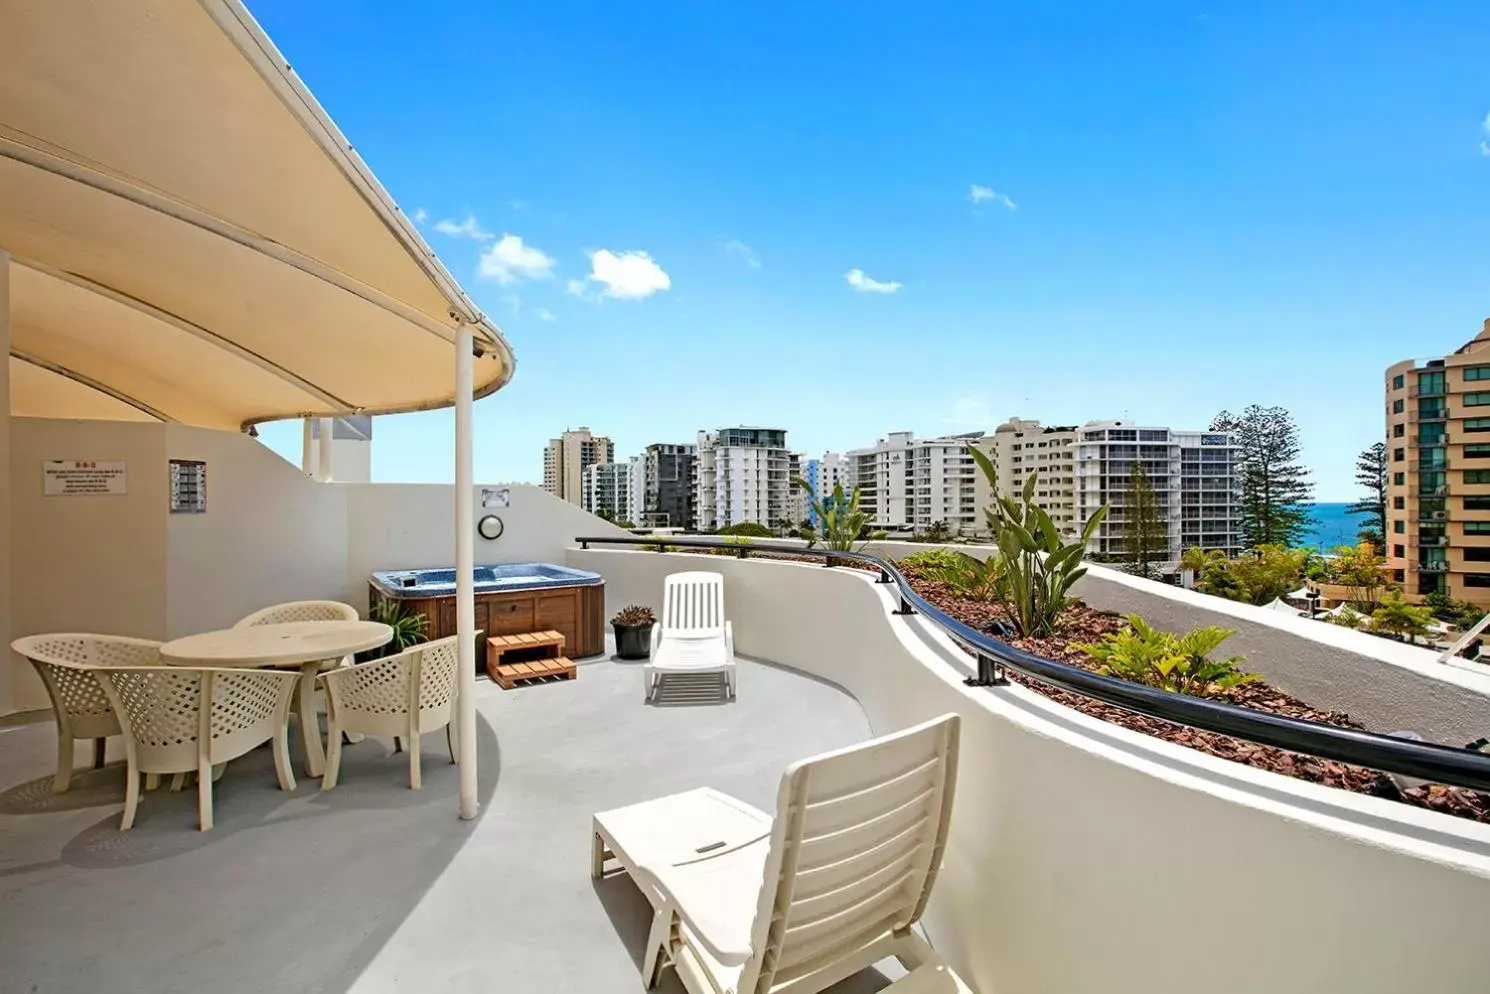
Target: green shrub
(1398,617)
(752,529)
(929,559)
(971,577)
(1142,654)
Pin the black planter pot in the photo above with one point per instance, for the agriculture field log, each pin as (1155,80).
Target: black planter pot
(633,643)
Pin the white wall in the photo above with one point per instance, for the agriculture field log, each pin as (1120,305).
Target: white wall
(270,534)
(5,484)
(406,526)
(1086,859)
(94,563)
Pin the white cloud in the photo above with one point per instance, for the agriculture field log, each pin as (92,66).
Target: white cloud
(509,260)
(544,314)
(979,194)
(1485,148)
(1485,145)
(627,275)
(420,215)
(576,287)
(865,284)
(736,247)
(463,229)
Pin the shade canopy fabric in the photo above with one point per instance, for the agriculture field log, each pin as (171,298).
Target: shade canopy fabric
(1278,604)
(191,238)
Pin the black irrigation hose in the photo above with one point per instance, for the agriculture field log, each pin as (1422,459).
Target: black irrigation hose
(1425,760)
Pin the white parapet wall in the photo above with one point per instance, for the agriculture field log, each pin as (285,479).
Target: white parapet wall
(1088,859)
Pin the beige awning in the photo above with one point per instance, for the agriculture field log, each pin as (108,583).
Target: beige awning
(192,239)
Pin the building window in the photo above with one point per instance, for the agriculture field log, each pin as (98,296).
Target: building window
(1477,476)
(1477,451)
(1477,400)
(1477,527)
(1398,430)
(1477,579)
(1399,503)
(1400,551)
(1477,555)
(1476,424)
(1398,455)
(1430,383)
(1397,381)
(1472,373)
(1477,503)
(1398,406)
(1398,479)
(1399,527)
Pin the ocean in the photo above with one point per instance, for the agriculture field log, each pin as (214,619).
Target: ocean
(1333,527)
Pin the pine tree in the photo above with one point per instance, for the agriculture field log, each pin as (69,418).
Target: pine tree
(1371,473)
(1146,539)
(1276,489)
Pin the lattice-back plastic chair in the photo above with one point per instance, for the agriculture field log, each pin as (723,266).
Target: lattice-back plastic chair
(278,614)
(187,719)
(65,663)
(403,696)
(694,636)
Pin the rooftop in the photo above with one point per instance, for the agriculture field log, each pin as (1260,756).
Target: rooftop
(375,887)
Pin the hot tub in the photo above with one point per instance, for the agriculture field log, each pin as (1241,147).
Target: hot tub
(511,599)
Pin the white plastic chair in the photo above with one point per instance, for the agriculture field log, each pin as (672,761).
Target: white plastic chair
(403,696)
(187,719)
(694,635)
(837,885)
(82,709)
(278,614)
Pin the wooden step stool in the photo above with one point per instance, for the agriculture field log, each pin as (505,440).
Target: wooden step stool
(532,657)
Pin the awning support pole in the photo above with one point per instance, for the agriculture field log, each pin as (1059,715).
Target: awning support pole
(323,451)
(305,445)
(465,571)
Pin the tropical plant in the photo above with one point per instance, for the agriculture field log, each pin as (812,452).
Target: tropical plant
(1371,474)
(839,519)
(634,616)
(1197,560)
(1398,617)
(971,577)
(1180,664)
(1275,489)
(1463,615)
(1348,617)
(1038,569)
(1359,568)
(1260,576)
(1145,542)
(929,559)
(936,533)
(408,627)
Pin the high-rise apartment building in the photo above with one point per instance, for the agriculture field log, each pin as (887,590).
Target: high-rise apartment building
(565,459)
(1438,473)
(822,474)
(606,490)
(744,474)
(669,486)
(1195,476)
(638,483)
(910,484)
(1018,448)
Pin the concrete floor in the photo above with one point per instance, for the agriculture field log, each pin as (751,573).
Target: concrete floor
(374,887)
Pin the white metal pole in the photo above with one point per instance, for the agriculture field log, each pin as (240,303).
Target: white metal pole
(323,451)
(465,572)
(306,466)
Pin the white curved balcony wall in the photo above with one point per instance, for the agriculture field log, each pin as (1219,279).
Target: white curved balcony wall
(1086,859)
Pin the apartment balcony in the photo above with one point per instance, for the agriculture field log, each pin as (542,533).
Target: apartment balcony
(1430,541)
(1441,414)
(1430,567)
(1430,391)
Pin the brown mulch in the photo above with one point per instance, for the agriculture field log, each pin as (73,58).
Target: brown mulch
(1083,624)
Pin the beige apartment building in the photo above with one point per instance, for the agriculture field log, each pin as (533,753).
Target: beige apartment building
(1018,447)
(1438,473)
(565,459)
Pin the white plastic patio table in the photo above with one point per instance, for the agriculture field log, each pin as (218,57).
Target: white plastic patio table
(311,646)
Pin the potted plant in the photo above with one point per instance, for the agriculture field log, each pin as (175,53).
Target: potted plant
(408,629)
(633,628)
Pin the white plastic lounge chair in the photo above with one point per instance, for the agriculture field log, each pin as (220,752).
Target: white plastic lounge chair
(403,696)
(750,904)
(188,719)
(694,636)
(82,709)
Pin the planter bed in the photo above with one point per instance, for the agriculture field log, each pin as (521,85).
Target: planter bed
(1083,624)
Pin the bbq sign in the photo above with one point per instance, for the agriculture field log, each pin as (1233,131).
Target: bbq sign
(81,477)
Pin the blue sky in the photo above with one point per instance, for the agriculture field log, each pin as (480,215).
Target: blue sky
(1183,207)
